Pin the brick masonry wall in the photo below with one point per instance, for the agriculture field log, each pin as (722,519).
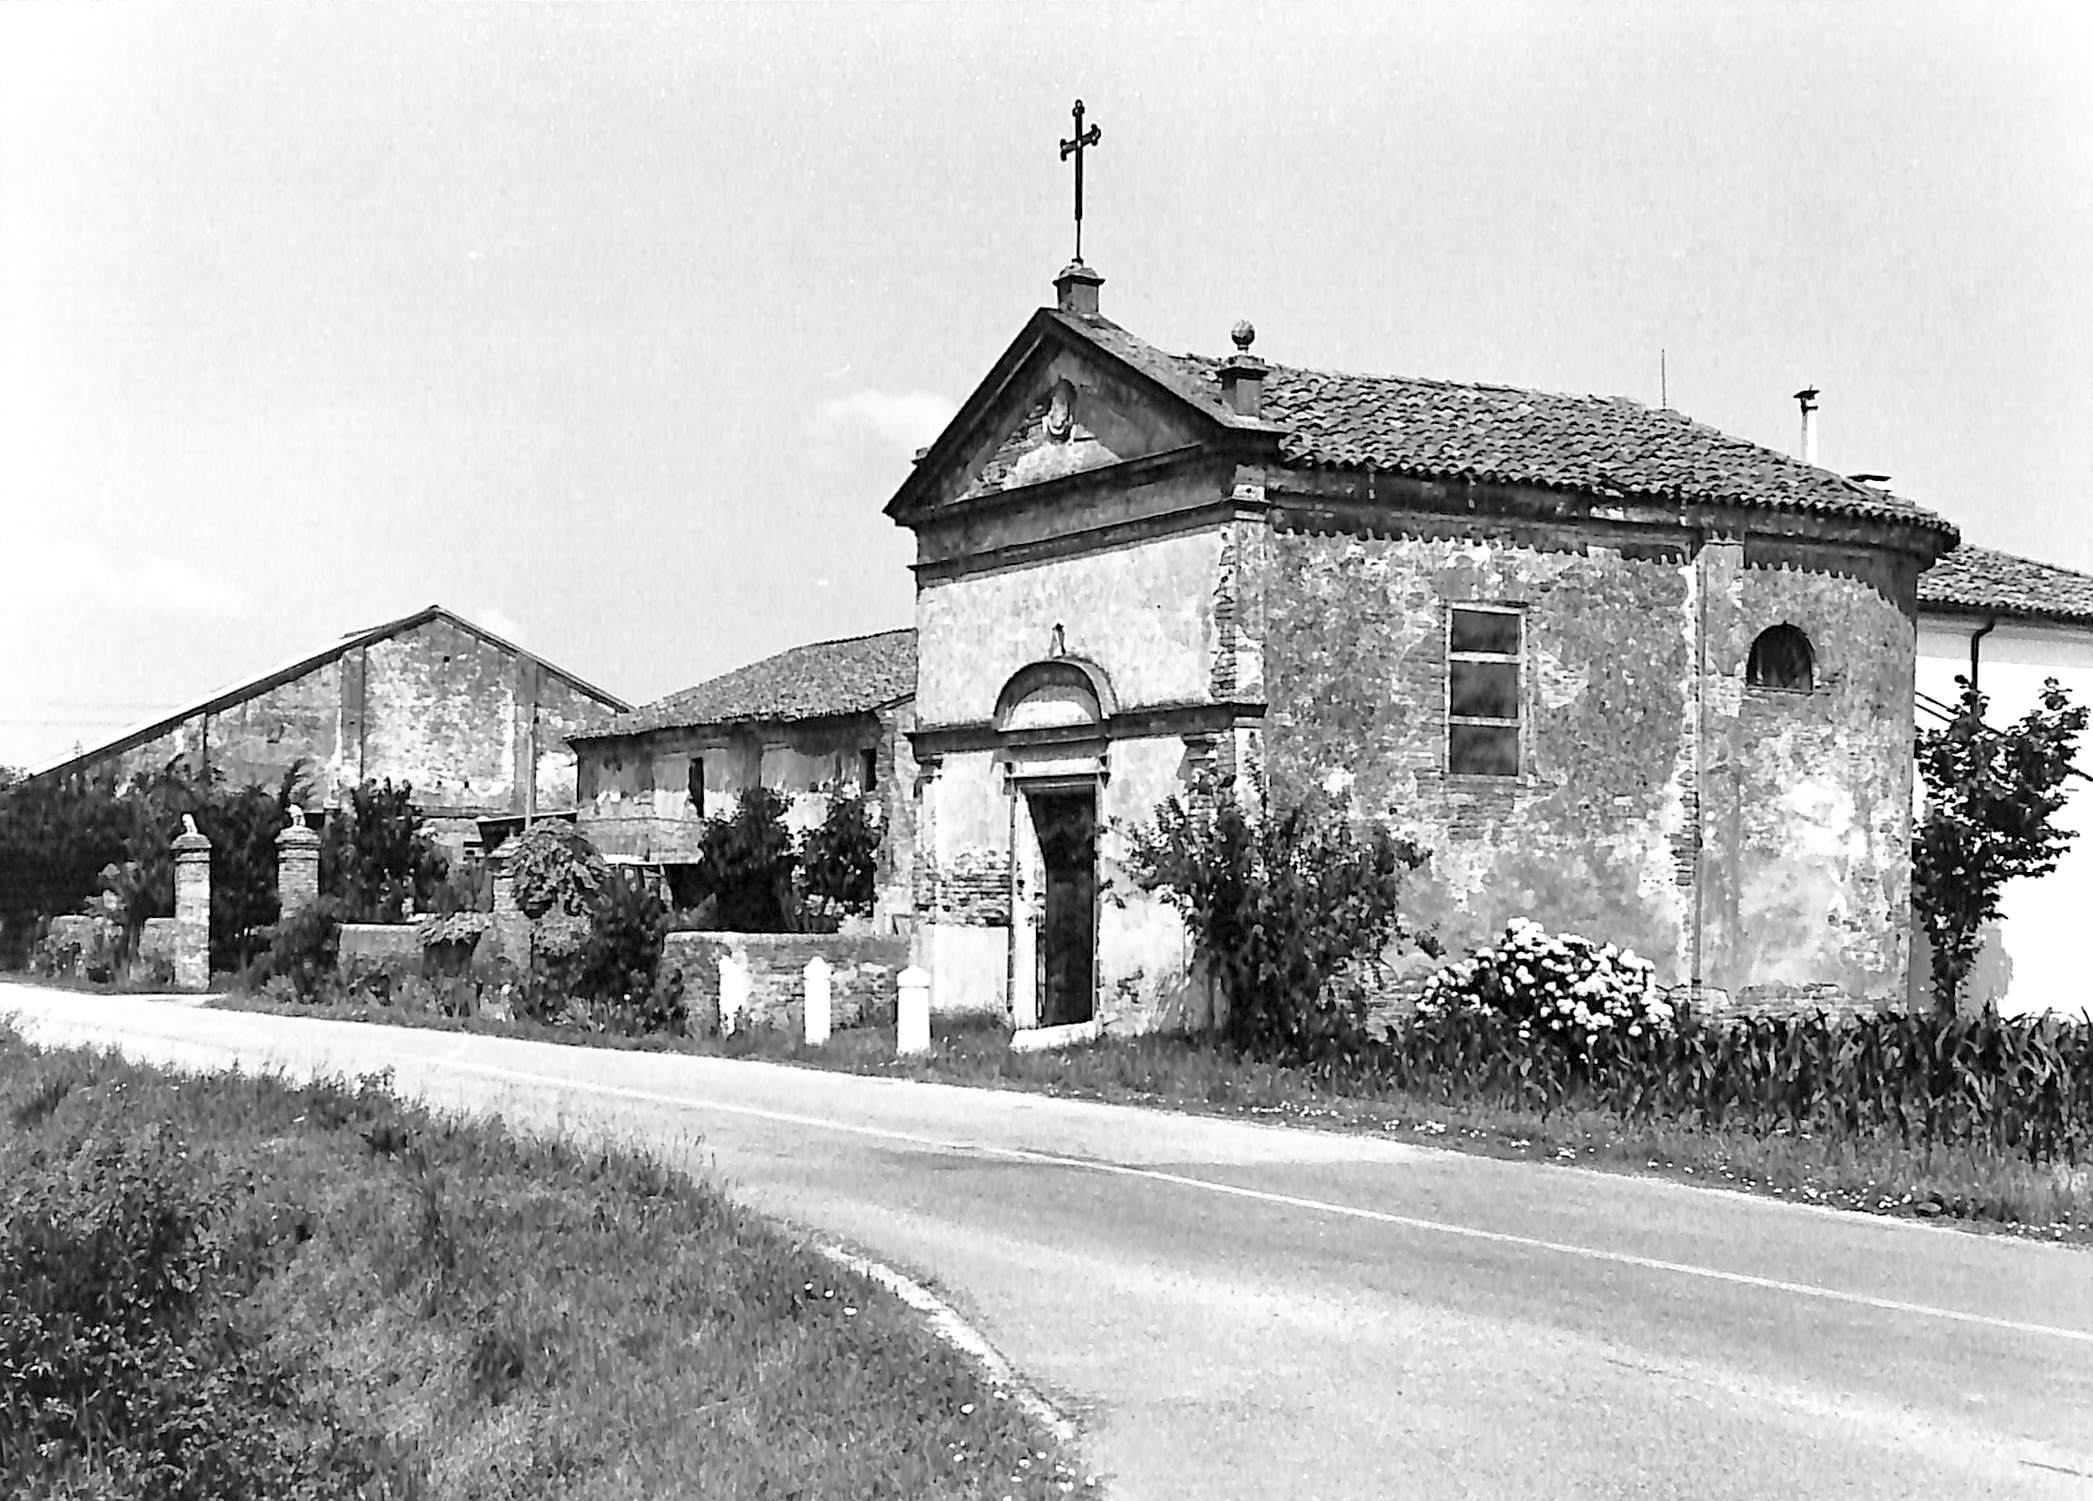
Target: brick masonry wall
(864,968)
(437,706)
(971,888)
(379,948)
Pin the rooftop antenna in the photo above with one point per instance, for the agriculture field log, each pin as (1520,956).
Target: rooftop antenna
(1663,382)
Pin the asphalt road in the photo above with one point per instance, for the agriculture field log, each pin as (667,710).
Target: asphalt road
(1233,1310)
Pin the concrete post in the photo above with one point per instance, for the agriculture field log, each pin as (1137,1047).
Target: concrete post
(817,1001)
(912,1013)
(297,865)
(733,994)
(192,908)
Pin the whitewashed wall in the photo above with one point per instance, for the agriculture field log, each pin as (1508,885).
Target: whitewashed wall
(2042,956)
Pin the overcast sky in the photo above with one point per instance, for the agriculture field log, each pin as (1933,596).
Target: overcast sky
(615,328)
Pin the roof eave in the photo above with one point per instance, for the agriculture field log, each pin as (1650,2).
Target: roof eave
(742,722)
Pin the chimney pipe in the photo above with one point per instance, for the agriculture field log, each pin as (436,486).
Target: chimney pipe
(1243,375)
(1807,396)
(1075,290)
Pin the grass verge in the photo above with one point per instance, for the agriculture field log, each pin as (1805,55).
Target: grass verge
(1965,1187)
(227,1287)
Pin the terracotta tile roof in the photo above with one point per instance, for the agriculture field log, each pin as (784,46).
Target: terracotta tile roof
(826,678)
(1606,446)
(1998,583)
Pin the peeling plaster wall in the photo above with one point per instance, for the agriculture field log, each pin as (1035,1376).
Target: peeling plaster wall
(1144,951)
(1806,796)
(1143,611)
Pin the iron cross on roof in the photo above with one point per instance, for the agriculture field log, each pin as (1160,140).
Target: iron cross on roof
(1074,148)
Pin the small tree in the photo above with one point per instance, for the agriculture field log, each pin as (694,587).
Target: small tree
(746,861)
(1992,797)
(1283,905)
(838,858)
(620,965)
(374,855)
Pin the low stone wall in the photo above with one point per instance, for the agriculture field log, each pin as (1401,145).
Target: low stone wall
(80,946)
(861,983)
(161,944)
(370,948)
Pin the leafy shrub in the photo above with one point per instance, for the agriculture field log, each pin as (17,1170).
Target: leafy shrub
(468,886)
(621,960)
(374,855)
(1285,906)
(838,857)
(1563,990)
(555,870)
(304,946)
(746,861)
(448,942)
(558,875)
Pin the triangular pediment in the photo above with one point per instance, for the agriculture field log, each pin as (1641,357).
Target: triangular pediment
(1058,403)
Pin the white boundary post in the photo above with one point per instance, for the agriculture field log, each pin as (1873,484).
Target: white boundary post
(816,989)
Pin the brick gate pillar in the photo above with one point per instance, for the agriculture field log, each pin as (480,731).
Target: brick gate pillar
(512,930)
(192,908)
(297,865)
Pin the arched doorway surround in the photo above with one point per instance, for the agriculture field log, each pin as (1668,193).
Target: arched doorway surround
(1052,728)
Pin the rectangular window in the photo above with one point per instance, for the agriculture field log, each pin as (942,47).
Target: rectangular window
(868,769)
(1484,648)
(697,784)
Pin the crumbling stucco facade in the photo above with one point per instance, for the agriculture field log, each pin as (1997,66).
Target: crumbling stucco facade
(478,727)
(1751,841)
(1132,566)
(813,723)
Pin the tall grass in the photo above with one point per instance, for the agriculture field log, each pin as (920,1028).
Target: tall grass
(228,1288)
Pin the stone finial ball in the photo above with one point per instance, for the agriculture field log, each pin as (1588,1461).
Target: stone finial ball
(1242,333)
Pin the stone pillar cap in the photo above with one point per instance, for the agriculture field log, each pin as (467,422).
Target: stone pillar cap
(191,837)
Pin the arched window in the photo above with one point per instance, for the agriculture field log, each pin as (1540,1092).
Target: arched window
(1781,658)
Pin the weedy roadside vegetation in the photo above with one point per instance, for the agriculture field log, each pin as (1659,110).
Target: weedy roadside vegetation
(1538,1044)
(227,1287)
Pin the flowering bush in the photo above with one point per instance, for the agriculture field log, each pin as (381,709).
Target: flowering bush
(1554,986)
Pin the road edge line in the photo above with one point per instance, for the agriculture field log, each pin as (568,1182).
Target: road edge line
(947,1323)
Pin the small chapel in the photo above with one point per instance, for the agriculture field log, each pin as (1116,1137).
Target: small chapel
(1620,672)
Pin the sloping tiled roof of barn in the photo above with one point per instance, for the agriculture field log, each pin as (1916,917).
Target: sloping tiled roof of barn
(1606,446)
(1981,581)
(821,680)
